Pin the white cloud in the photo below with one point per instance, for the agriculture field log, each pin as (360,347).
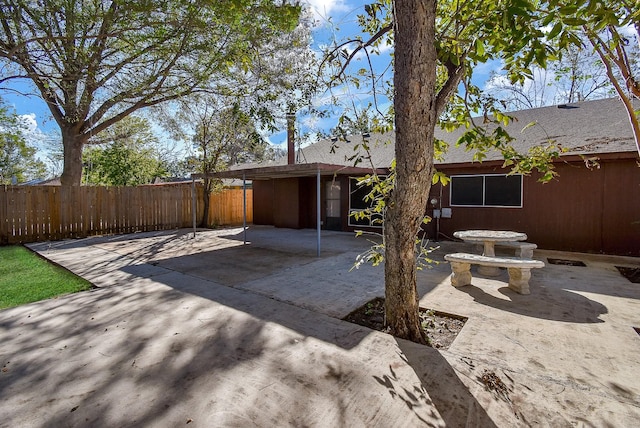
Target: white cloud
(324,9)
(496,81)
(30,123)
(629,31)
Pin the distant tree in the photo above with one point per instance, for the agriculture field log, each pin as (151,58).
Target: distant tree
(531,93)
(612,29)
(222,124)
(96,62)
(125,154)
(363,121)
(220,135)
(576,75)
(282,79)
(18,162)
(275,152)
(579,76)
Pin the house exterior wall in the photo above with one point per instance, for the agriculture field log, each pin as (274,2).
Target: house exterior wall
(583,210)
(286,202)
(621,208)
(263,202)
(286,205)
(307,200)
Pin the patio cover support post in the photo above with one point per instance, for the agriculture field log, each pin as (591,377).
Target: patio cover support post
(244,207)
(193,204)
(318,211)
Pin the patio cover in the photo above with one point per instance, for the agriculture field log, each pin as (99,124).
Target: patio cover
(291,171)
(288,171)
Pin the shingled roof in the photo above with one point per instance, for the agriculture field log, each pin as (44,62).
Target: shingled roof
(584,128)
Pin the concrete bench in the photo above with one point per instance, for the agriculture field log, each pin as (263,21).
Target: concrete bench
(524,250)
(519,269)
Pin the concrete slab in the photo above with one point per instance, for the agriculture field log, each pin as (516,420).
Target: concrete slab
(208,332)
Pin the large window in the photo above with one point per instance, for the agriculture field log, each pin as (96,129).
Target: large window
(357,203)
(486,191)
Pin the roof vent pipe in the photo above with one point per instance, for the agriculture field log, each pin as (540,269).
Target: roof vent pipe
(291,136)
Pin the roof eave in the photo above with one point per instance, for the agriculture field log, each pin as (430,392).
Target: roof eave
(292,171)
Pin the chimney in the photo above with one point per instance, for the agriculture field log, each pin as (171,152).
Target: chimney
(291,134)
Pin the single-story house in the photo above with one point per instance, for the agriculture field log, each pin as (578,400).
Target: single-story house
(592,206)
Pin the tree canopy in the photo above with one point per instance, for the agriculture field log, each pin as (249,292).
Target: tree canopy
(219,134)
(96,62)
(18,162)
(437,46)
(577,75)
(125,154)
(609,28)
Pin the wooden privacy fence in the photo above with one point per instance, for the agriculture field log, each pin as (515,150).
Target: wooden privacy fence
(42,213)
(226,208)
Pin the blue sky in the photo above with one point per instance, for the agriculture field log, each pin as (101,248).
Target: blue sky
(329,15)
(335,21)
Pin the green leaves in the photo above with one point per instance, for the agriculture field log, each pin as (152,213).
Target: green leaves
(97,62)
(124,155)
(17,158)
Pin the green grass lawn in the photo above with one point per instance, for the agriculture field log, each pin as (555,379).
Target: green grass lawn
(25,277)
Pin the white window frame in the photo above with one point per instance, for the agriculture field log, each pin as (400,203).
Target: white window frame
(484,187)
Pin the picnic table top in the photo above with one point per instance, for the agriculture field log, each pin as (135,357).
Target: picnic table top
(490,235)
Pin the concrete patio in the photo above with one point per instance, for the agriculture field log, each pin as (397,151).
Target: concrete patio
(210,332)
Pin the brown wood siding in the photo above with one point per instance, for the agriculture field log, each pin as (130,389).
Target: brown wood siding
(307,199)
(621,208)
(582,210)
(263,201)
(566,214)
(286,204)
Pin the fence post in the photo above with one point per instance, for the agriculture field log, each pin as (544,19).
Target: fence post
(193,204)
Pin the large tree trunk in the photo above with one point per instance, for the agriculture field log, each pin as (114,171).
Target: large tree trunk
(415,112)
(72,145)
(206,200)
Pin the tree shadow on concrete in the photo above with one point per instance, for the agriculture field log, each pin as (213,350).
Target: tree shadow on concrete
(440,387)
(187,349)
(172,354)
(154,356)
(544,302)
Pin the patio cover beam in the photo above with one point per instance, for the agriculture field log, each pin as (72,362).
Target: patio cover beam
(292,171)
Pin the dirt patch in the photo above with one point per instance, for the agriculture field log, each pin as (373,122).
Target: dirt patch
(441,328)
(632,274)
(564,262)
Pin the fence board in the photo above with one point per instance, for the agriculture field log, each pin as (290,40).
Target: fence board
(226,208)
(41,213)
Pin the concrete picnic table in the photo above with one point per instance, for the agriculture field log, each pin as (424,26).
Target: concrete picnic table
(489,238)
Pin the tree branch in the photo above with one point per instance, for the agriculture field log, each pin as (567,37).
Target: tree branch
(454,75)
(384,30)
